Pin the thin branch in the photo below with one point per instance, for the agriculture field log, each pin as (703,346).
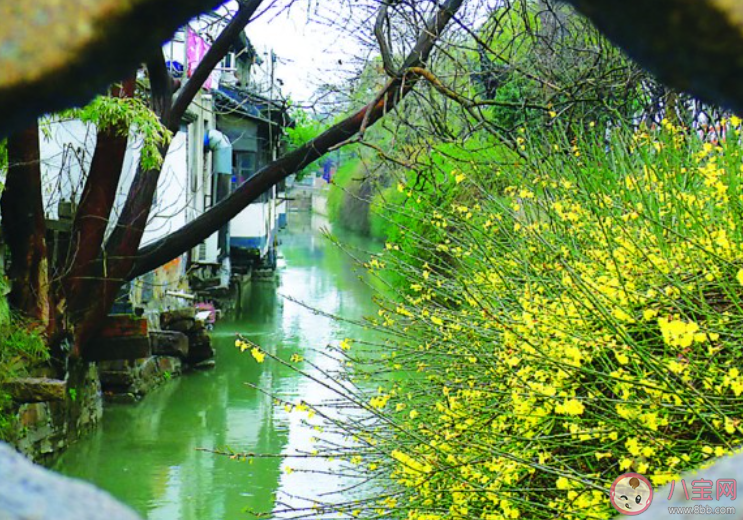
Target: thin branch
(164,250)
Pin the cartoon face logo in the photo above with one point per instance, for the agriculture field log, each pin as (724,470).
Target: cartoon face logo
(631,494)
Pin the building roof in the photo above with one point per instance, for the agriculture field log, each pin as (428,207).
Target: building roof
(242,103)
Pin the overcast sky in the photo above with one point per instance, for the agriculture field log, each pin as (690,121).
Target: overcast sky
(310,51)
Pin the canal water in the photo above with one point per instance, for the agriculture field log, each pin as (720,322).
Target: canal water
(148,455)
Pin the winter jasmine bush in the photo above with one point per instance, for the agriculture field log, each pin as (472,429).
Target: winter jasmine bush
(581,323)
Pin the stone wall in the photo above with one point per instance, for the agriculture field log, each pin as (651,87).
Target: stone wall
(127,381)
(49,421)
(134,360)
(127,362)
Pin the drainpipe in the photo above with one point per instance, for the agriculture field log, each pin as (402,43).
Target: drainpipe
(221,147)
(218,143)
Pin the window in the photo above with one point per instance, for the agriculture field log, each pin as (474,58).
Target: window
(245,168)
(229,61)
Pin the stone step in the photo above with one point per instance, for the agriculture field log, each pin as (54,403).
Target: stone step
(125,347)
(125,325)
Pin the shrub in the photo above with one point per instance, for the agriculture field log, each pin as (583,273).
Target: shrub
(584,323)
(21,346)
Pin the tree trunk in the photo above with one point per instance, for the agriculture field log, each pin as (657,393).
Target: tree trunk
(117,258)
(198,230)
(91,218)
(122,258)
(24,227)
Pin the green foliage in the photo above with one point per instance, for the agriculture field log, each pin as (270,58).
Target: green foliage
(127,114)
(348,198)
(3,157)
(549,62)
(576,319)
(21,347)
(304,130)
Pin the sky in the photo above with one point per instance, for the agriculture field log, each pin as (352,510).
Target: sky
(316,44)
(309,51)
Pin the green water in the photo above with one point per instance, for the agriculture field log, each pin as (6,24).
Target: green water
(147,454)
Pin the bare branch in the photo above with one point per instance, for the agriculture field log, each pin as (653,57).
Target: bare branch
(201,228)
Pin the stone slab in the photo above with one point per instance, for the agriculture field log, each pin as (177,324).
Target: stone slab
(36,389)
(199,347)
(105,349)
(124,325)
(168,317)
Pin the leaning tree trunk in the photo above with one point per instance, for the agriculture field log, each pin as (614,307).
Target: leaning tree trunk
(122,259)
(24,227)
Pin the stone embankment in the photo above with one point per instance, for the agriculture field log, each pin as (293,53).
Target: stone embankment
(128,361)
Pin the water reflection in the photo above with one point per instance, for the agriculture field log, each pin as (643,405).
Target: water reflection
(147,455)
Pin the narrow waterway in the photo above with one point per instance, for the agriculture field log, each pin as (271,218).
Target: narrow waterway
(147,454)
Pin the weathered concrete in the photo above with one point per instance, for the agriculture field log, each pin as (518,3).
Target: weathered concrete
(29,492)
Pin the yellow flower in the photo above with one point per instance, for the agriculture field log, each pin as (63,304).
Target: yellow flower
(633,446)
(570,407)
(346,344)
(739,277)
(678,333)
(257,354)
(379,401)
